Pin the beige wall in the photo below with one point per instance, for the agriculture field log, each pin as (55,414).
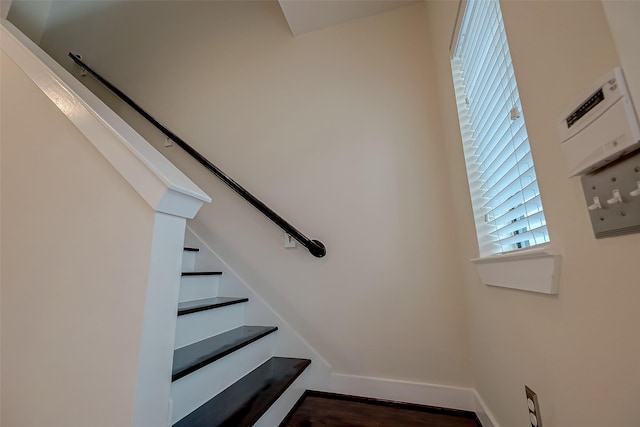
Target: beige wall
(5,5)
(29,15)
(76,241)
(4,15)
(579,350)
(337,130)
(623,17)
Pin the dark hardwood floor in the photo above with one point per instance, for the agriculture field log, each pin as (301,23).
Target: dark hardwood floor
(320,410)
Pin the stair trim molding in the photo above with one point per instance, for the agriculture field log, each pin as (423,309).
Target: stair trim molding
(163,186)
(419,393)
(258,311)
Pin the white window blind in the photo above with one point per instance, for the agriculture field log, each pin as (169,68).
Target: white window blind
(502,178)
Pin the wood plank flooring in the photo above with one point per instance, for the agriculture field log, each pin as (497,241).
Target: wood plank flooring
(325,410)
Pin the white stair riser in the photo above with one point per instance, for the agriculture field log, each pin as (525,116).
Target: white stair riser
(204,324)
(198,287)
(281,407)
(189,261)
(192,391)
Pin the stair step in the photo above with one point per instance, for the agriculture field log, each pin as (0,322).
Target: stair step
(202,273)
(193,391)
(188,307)
(200,325)
(198,286)
(244,402)
(188,249)
(189,257)
(194,356)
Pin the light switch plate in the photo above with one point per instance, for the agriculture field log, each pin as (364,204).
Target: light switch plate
(614,218)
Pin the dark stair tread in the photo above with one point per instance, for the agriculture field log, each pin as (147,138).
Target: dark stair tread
(202,273)
(244,402)
(194,356)
(188,307)
(188,249)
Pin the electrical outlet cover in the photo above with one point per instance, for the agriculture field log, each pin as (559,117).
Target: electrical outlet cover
(534,408)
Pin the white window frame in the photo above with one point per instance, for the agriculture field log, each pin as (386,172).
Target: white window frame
(502,263)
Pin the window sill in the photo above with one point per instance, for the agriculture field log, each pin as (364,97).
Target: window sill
(533,270)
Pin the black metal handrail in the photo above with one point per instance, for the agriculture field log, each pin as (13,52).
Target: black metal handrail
(316,247)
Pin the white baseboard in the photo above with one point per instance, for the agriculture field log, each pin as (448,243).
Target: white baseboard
(483,413)
(449,397)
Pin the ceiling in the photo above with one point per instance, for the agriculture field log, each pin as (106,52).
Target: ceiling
(304,16)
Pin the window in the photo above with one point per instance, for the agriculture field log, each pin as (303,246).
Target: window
(502,178)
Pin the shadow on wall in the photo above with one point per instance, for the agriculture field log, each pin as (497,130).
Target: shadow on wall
(34,17)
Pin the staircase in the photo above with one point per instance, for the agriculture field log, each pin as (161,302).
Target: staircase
(225,372)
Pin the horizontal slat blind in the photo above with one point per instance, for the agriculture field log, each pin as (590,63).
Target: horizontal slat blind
(502,177)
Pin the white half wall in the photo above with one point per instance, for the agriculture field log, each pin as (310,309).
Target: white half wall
(76,241)
(75,172)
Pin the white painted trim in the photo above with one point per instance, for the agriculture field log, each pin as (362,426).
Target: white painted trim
(462,7)
(157,180)
(534,270)
(482,411)
(403,391)
(451,397)
(536,252)
(152,407)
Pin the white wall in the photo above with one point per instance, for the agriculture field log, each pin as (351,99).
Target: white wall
(3,16)
(5,5)
(579,350)
(338,131)
(623,17)
(29,15)
(71,313)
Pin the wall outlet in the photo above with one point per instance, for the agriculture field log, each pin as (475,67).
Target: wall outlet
(534,408)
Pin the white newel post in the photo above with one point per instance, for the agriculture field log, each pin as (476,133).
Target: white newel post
(158,331)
